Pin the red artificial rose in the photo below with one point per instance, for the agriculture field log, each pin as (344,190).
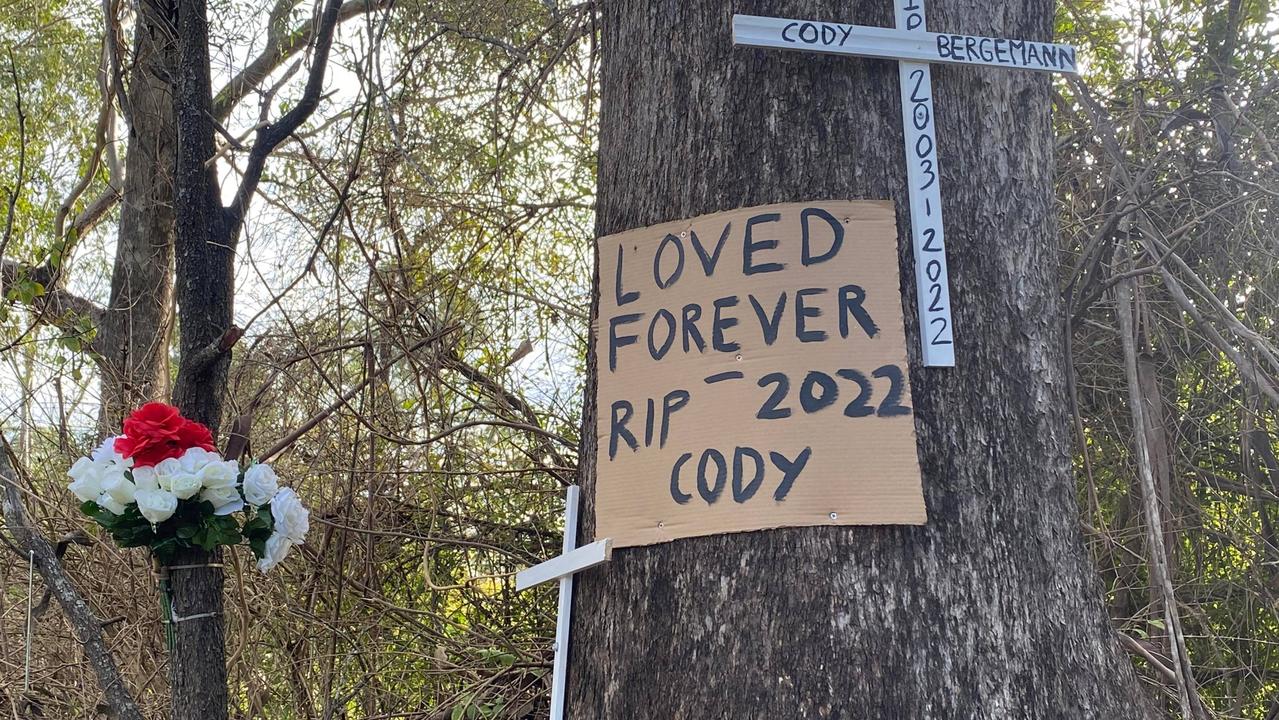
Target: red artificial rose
(193,434)
(156,432)
(152,418)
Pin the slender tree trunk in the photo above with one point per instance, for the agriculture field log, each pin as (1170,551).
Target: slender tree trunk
(206,237)
(172,222)
(133,339)
(197,664)
(205,251)
(991,610)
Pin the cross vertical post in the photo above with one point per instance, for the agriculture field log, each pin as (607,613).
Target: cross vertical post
(923,174)
(573,560)
(559,667)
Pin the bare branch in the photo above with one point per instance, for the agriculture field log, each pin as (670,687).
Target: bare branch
(281,47)
(1161,584)
(333,407)
(212,351)
(1142,650)
(269,137)
(115,48)
(87,627)
(86,219)
(22,159)
(108,83)
(1148,235)
(514,403)
(106,112)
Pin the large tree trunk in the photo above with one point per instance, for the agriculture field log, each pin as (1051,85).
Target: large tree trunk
(133,339)
(991,610)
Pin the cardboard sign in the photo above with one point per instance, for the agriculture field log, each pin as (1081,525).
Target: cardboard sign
(752,374)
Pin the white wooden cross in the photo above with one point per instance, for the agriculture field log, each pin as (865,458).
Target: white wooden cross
(914,48)
(573,560)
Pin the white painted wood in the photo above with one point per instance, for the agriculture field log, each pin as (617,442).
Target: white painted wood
(563,619)
(901,44)
(571,560)
(923,174)
(570,563)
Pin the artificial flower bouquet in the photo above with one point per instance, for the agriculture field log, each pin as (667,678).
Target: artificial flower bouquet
(162,485)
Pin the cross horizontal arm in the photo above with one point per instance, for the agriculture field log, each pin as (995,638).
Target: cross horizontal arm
(575,561)
(893,44)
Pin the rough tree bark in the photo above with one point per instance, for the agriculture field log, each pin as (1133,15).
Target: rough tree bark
(133,336)
(993,609)
(204,253)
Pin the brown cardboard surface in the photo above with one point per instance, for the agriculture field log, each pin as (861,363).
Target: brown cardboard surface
(861,465)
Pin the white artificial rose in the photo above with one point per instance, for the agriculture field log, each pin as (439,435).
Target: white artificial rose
(183,485)
(194,459)
(86,479)
(145,478)
(102,473)
(226,500)
(119,487)
(291,518)
(156,505)
(220,474)
(277,548)
(221,480)
(106,502)
(106,453)
(260,484)
(84,468)
(85,490)
(170,475)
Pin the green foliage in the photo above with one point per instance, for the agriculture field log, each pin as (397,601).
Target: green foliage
(1186,93)
(52,48)
(193,525)
(129,530)
(257,529)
